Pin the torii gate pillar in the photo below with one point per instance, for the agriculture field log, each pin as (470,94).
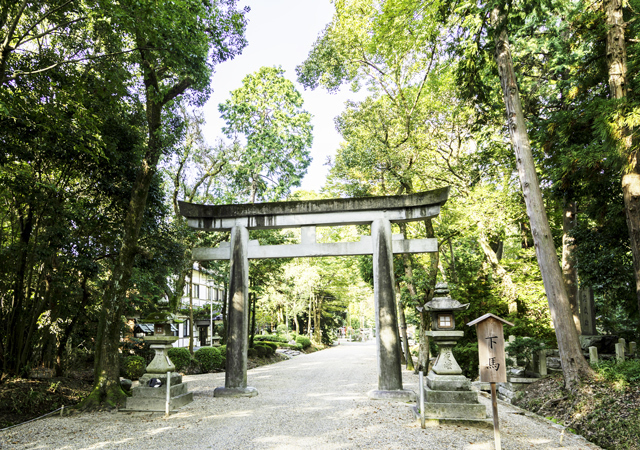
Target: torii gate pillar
(235,383)
(389,362)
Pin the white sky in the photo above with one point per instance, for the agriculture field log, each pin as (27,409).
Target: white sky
(281,33)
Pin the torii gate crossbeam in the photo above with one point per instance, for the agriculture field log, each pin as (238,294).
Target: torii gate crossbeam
(379,212)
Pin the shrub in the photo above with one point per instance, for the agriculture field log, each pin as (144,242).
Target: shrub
(261,350)
(209,359)
(523,348)
(304,341)
(271,338)
(265,348)
(180,357)
(273,345)
(133,367)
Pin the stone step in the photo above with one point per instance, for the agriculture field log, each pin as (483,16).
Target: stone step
(154,404)
(159,392)
(467,397)
(455,411)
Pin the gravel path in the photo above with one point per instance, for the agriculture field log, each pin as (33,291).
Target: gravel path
(315,401)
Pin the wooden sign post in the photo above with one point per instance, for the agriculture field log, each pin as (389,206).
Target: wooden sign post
(492,360)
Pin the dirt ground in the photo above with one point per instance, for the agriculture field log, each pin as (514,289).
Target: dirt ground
(22,399)
(606,413)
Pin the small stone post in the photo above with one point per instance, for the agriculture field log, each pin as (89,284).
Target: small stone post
(593,355)
(633,349)
(620,352)
(541,366)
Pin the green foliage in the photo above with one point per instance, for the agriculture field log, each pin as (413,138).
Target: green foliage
(467,356)
(523,349)
(264,349)
(180,357)
(138,347)
(627,372)
(271,338)
(304,341)
(267,111)
(210,359)
(133,367)
(272,345)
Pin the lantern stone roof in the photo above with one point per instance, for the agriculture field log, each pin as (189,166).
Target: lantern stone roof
(445,304)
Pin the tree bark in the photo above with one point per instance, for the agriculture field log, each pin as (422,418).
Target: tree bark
(191,312)
(569,272)
(252,331)
(617,64)
(574,365)
(402,322)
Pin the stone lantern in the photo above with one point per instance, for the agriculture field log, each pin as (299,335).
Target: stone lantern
(146,397)
(215,340)
(443,332)
(161,341)
(448,394)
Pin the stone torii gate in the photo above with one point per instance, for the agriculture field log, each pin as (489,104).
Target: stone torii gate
(379,212)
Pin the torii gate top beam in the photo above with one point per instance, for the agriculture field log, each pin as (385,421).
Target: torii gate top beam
(331,212)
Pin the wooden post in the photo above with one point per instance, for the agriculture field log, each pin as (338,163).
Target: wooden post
(492,360)
(496,422)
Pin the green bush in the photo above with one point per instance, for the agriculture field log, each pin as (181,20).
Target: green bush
(252,353)
(271,338)
(523,348)
(180,357)
(272,345)
(265,348)
(281,345)
(133,367)
(304,341)
(210,359)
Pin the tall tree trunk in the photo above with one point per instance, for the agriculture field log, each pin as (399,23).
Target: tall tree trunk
(309,321)
(317,332)
(574,365)
(569,272)
(402,322)
(617,63)
(191,312)
(15,327)
(454,275)
(224,315)
(106,388)
(252,331)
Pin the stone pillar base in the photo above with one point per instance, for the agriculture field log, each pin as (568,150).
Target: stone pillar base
(235,392)
(403,395)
